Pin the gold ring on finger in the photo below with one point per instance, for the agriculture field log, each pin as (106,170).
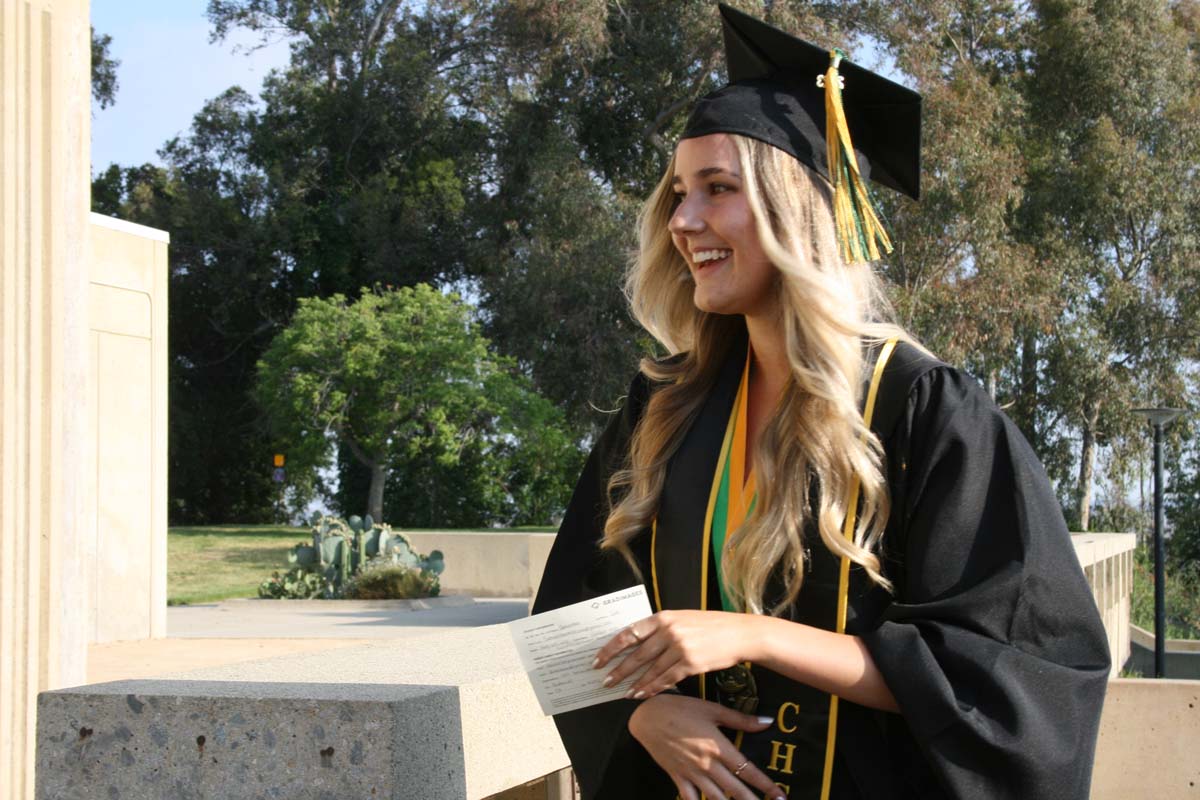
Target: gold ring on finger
(741,767)
(635,634)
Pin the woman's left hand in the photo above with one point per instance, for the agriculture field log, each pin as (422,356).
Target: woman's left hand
(677,645)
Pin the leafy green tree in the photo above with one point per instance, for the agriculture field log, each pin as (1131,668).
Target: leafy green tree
(104,71)
(403,380)
(1112,195)
(962,279)
(352,168)
(1183,515)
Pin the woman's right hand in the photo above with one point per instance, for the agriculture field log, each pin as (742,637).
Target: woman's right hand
(682,735)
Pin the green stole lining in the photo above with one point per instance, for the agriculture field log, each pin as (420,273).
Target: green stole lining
(733,455)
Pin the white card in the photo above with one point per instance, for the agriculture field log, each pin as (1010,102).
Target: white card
(558,647)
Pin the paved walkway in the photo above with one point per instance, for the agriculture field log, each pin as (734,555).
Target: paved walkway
(215,634)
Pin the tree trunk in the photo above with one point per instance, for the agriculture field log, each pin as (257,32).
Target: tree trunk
(1027,397)
(375,494)
(1087,462)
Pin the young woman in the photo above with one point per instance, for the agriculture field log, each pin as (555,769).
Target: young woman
(863,583)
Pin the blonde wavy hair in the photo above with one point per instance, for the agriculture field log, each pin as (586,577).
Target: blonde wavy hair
(816,443)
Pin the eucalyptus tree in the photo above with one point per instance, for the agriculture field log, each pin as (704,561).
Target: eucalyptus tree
(1112,198)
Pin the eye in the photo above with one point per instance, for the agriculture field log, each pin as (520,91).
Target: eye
(719,188)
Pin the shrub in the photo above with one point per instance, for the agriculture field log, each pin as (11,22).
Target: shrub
(385,580)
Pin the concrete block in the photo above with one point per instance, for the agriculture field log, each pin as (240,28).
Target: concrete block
(191,740)
(447,716)
(1147,745)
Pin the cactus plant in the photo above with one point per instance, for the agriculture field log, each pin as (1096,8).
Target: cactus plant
(343,549)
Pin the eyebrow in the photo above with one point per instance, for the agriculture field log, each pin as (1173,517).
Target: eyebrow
(706,172)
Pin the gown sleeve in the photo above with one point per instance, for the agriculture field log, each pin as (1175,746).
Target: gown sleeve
(608,761)
(992,644)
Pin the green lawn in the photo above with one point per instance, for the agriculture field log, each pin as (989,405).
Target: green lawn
(223,561)
(219,562)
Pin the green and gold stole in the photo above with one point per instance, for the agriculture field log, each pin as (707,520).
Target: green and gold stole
(731,501)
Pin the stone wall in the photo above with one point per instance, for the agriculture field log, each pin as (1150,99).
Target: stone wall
(487,563)
(127,396)
(45,500)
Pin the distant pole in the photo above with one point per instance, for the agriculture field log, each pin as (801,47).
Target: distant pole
(1159,417)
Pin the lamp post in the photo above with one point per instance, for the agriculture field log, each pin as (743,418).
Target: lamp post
(1159,417)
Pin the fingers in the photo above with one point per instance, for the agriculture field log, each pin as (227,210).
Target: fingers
(656,651)
(686,790)
(665,672)
(631,636)
(747,774)
(728,718)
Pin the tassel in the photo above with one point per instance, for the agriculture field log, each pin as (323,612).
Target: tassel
(860,233)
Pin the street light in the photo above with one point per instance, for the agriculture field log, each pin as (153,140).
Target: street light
(1159,417)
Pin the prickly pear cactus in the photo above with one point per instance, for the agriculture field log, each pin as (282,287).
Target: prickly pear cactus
(341,549)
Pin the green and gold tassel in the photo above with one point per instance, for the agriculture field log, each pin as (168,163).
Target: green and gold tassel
(860,233)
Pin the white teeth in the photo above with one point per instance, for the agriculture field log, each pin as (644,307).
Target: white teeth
(709,255)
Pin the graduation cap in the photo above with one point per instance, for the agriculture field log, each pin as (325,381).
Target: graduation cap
(806,101)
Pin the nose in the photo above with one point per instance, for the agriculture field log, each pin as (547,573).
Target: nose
(687,218)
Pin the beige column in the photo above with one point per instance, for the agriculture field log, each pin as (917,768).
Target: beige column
(44,500)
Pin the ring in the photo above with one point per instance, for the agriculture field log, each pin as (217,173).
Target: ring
(741,767)
(635,634)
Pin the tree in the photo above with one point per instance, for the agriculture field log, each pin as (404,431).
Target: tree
(104,71)
(1183,516)
(402,379)
(353,168)
(962,279)
(1112,198)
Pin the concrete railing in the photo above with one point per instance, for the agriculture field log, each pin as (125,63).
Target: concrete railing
(1182,656)
(447,716)
(1107,561)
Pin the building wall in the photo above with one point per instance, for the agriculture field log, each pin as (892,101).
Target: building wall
(45,501)
(127,394)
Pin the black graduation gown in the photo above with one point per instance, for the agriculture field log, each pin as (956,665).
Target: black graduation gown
(991,643)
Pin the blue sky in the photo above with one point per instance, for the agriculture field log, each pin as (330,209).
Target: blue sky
(168,70)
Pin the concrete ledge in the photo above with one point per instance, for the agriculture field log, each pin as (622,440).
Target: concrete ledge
(415,604)
(444,717)
(1145,638)
(482,564)
(1182,656)
(1147,745)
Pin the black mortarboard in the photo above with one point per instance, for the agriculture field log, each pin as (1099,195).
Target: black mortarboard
(774,95)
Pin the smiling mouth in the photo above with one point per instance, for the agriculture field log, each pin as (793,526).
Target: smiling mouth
(707,259)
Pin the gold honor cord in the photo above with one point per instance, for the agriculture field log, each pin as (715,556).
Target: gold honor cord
(858,226)
(844,576)
(708,517)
